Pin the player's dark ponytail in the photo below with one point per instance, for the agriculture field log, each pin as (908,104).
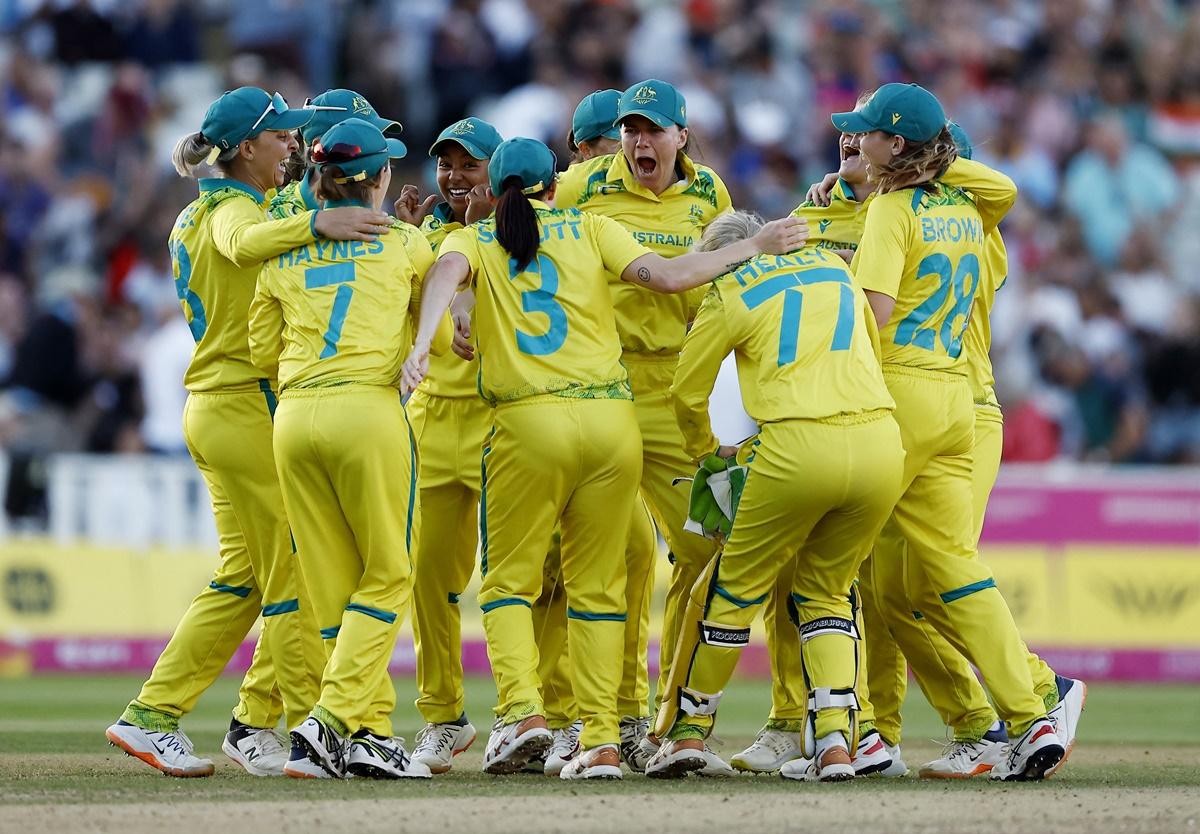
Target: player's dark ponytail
(517,223)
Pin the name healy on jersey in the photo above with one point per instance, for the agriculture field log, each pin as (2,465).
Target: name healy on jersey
(952,229)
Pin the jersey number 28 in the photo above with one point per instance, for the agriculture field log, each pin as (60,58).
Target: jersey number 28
(919,328)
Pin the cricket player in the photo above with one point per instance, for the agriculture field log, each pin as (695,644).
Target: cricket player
(665,200)
(920,263)
(825,472)
(564,447)
(331,319)
(217,245)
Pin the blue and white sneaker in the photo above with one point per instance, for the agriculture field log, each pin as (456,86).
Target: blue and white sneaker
(381,757)
(170,752)
(1072,695)
(257,751)
(1033,756)
(965,759)
(323,745)
(299,766)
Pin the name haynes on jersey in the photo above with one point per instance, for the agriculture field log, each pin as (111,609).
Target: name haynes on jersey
(951,229)
(329,250)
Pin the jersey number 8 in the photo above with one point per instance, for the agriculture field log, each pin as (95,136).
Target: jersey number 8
(918,328)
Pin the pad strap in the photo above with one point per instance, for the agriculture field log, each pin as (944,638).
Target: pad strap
(698,703)
(828,625)
(723,636)
(827,698)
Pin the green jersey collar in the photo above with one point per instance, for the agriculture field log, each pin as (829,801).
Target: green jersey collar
(217,183)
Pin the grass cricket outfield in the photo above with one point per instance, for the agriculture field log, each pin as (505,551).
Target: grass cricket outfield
(1136,769)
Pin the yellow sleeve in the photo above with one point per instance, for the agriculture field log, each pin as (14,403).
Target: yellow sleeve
(242,235)
(266,328)
(724,202)
(570,186)
(994,192)
(421,254)
(879,262)
(614,242)
(705,347)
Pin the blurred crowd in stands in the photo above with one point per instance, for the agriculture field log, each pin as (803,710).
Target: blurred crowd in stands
(1092,106)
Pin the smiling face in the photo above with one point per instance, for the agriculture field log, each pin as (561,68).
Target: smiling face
(651,151)
(265,157)
(879,148)
(853,168)
(457,173)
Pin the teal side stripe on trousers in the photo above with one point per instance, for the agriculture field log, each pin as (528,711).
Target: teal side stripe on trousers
(799,599)
(412,484)
(483,536)
(501,603)
(331,632)
(452,598)
(285,607)
(388,617)
(740,603)
(967,590)
(236,590)
(572,614)
(264,385)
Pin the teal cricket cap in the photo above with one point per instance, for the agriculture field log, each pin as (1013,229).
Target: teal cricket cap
(334,106)
(528,159)
(477,137)
(358,148)
(961,139)
(596,116)
(907,110)
(657,100)
(246,112)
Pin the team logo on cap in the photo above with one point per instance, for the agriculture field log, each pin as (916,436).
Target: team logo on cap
(463,127)
(360,105)
(895,118)
(645,94)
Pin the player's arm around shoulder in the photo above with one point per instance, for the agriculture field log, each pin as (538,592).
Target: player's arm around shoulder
(265,332)
(993,191)
(704,349)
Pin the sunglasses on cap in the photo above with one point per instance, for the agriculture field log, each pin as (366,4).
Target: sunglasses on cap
(277,105)
(308,105)
(340,152)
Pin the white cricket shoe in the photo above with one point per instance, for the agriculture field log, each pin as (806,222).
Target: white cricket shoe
(1033,756)
(438,744)
(871,756)
(299,766)
(831,764)
(510,746)
(676,759)
(714,765)
(381,757)
(603,762)
(964,759)
(1072,695)
(170,752)
(564,749)
(799,769)
(323,746)
(897,768)
(257,751)
(635,730)
(769,752)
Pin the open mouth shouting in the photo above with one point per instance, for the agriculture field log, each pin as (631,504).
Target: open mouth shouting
(647,164)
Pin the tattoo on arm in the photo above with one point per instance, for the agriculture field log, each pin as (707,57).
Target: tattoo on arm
(643,274)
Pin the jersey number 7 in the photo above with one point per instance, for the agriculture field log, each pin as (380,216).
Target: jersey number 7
(326,276)
(790,284)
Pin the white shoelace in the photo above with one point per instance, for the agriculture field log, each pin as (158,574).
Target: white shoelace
(566,740)
(433,738)
(177,740)
(269,742)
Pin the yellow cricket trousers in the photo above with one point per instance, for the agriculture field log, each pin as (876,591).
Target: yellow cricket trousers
(815,498)
(347,464)
(450,433)
(930,557)
(229,437)
(573,462)
(663,460)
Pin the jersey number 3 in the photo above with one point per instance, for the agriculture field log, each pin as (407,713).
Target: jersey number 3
(541,300)
(918,328)
(341,274)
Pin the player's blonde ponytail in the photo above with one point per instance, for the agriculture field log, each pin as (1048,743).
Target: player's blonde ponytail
(729,228)
(194,149)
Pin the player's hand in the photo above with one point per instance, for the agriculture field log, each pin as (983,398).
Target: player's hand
(818,194)
(702,506)
(415,368)
(782,236)
(409,206)
(727,451)
(352,223)
(479,203)
(460,314)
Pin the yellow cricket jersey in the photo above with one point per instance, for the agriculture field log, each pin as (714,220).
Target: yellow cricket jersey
(669,224)
(337,312)
(923,246)
(804,338)
(217,245)
(838,225)
(549,329)
(449,375)
(296,197)
(978,341)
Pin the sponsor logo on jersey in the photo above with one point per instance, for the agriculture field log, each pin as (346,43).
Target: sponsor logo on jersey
(823,225)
